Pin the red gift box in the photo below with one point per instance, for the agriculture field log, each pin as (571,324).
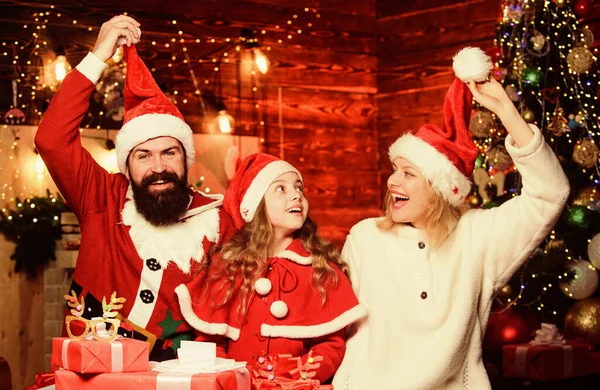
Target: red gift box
(227,380)
(93,357)
(546,362)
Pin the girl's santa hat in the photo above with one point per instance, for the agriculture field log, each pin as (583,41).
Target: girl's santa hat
(250,183)
(148,113)
(446,155)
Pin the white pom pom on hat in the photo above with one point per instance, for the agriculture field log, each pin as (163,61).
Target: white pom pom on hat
(471,63)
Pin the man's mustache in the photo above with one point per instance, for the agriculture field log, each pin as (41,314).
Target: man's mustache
(165,176)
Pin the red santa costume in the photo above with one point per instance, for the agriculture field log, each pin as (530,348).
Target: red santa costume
(285,314)
(120,250)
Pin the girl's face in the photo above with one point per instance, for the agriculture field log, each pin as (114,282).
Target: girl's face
(411,195)
(286,205)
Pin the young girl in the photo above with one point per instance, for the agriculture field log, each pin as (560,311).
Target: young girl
(275,287)
(425,271)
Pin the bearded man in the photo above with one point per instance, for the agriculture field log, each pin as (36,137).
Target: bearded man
(144,231)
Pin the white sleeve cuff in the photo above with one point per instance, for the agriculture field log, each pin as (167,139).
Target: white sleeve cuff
(92,67)
(528,149)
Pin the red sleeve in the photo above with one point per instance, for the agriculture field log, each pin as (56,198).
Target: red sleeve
(78,177)
(332,348)
(220,341)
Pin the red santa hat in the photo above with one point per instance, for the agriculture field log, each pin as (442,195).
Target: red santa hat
(446,155)
(148,113)
(250,183)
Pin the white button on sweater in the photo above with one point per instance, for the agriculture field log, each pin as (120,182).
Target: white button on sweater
(435,343)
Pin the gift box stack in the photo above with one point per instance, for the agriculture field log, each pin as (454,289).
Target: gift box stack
(92,364)
(549,357)
(97,358)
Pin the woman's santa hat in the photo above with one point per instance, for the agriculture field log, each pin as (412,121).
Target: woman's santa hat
(148,113)
(446,155)
(250,183)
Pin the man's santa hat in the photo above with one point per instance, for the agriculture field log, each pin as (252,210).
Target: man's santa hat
(446,155)
(148,113)
(250,183)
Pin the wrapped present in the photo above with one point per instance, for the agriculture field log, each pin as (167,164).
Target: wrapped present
(546,358)
(42,380)
(285,372)
(92,356)
(238,379)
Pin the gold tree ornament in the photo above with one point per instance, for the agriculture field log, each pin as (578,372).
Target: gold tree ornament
(585,153)
(558,124)
(580,59)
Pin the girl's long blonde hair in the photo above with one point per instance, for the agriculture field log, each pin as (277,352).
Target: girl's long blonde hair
(245,255)
(441,217)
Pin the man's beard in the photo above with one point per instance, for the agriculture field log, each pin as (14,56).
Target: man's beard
(165,207)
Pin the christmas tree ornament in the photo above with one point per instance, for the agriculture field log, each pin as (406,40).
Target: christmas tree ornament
(528,115)
(583,321)
(537,44)
(584,282)
(513,93)
(482,124)
(561,3)
(499,74)
(555,245)
(513,326)
(558,124)
(589,197)
(514,11)
(479,160)
(578,217)
(532,76)
(594,250)
(580,59)
(585,153)
(499,159)
(583,8)
(482,180)
(587,35)
(474,200)
(575,121)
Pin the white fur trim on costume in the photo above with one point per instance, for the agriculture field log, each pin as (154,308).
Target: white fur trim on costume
(259,185)
(218,201)
(279,309)
(310,331)
(92,67)
(185,304)
(145,127)
(178,243)
(263,286)
(437,169)
(296,258)
(471,63)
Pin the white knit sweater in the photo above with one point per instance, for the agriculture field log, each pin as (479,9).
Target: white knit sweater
(411,342)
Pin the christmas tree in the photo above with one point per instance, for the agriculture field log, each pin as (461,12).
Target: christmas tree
(543,56)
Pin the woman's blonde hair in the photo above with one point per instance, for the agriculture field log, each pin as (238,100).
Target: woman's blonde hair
(245,255)
(441,217)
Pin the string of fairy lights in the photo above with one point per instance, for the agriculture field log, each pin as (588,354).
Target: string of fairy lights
(517,44)
(40,63)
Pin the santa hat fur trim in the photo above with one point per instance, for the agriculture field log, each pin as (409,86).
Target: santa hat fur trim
(444,177)
(148,126)
(260,184)
(446,155)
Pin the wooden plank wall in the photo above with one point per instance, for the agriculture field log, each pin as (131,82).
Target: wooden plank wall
(318,101)
(417,40)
